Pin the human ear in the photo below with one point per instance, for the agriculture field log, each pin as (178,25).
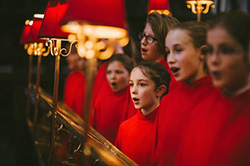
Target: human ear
(203,50)
(161,90)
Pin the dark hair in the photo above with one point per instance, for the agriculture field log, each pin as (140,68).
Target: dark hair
(160,25)
(157,72)
(237,24)
(124,59)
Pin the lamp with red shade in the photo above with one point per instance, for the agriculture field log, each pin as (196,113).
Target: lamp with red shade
(36,46)
(50,28)
(91,22)
(160,6)
(23,40)
(25,33)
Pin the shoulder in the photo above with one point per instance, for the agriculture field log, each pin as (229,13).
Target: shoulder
(129,122)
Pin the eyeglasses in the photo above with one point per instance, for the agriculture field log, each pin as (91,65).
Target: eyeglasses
(223,51)
(149,39)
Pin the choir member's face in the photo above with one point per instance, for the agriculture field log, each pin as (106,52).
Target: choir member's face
(225,60)
(117,76)
(142,90)
(72,61)
(184,60)
(150,51)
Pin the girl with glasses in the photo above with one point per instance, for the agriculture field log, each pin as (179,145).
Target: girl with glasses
(153,40)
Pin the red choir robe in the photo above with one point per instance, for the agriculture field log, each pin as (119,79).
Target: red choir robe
(100,80)
(110,110)
(173,116)
(74,90)
(173,83)
(219,133)
(135,137)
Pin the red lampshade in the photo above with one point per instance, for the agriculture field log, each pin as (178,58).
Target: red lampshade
(33,35)
(96,12)
(53,15)
(26,31)
(158,5)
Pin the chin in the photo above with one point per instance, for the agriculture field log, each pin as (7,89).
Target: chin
(218,84)
(137,107)
(145,57)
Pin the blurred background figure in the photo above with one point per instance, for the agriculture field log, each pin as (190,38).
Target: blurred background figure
(74,87)
(219,132)
(113,104)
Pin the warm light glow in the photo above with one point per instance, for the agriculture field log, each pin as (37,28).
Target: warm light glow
(106,21)
(200,6)
(71,37)
(100,45)
(36,49)
(81,50)
(31,23)
(89,45)
(27,22)
(90,54)
(89,35)
(38,16)
(123,42)
(95,30)
(166,12)
(26,46)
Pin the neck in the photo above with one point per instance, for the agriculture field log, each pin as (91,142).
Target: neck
(146,111)
(238,91)
(159,59)
(196,76)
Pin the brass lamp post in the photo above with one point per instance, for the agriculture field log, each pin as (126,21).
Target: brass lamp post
(199,6)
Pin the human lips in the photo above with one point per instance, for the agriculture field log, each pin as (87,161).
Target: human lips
(175,70)
(143,50)
(216,74)
(113,85)
(135,100)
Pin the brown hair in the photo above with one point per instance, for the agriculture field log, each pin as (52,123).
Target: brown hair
(157,72)
(237,24)
(160,25)
(124,59)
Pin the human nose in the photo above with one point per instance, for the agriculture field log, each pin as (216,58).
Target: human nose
(213,57)
(133,89)
(143,40)
(171,58)
(111,75)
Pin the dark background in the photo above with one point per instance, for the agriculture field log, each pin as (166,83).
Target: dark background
(16,144)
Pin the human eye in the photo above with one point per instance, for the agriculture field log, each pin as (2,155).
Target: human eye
(225,49)
(142,84)
(131,84)
(178,49)
(119,71)
(150,39)
(167,51)
(108,72)
(141,35)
